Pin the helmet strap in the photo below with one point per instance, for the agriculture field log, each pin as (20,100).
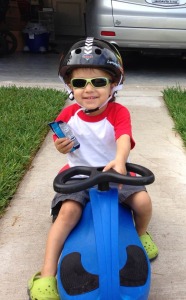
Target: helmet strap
(89,111)
(69,91)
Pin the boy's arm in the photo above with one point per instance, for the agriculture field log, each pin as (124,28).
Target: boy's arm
(123,144)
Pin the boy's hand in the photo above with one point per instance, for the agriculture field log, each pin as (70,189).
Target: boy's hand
(118,166)
(63,145)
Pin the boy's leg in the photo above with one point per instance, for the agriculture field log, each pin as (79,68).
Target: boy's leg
(141,205)
(68,217)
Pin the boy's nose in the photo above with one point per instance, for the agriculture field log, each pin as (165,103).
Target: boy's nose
(89,86)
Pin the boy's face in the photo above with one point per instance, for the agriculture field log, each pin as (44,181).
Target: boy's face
(91,97)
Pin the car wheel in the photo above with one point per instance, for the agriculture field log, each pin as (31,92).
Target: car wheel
(3,45)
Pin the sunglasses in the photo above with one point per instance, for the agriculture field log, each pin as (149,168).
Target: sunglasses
(97,82)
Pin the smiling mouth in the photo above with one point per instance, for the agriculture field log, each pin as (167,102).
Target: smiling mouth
(90,98)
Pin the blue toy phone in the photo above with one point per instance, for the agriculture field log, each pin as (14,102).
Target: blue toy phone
(62,129)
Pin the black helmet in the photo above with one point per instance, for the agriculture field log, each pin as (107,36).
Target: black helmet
(92,53)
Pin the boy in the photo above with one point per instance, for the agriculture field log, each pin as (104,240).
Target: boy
(92,72)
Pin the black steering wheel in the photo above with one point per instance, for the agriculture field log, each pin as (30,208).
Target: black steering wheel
(94,176)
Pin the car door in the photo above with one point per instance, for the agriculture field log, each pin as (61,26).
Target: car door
(162,14)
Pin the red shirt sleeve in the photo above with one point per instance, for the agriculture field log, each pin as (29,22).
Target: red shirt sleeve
(119,117)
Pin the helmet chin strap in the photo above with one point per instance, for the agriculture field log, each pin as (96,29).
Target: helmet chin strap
(69,91)
(88,111)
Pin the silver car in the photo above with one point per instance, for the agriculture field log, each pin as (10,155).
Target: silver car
(138,24)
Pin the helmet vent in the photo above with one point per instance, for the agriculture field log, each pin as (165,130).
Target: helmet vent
(78,51)
(98,51)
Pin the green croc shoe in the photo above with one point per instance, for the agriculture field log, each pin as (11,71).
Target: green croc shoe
(149,246)
(44,288)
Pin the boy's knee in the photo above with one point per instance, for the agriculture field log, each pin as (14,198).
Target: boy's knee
(70,211)
(140,202)
(144,204)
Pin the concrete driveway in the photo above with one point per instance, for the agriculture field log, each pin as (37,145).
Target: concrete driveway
(24,227)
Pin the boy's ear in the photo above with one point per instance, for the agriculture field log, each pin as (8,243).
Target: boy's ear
(113,84)
(70,86)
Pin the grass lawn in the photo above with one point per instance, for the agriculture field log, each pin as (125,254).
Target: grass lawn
(24,115)
(175,99)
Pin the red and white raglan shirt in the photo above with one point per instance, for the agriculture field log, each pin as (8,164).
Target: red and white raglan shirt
(97,135)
